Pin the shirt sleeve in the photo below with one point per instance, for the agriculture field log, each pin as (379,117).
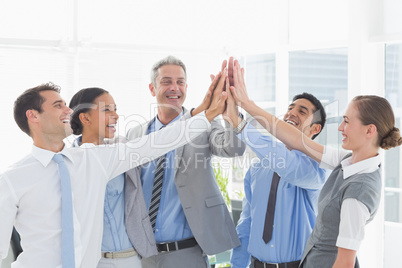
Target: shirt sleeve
(332,157)
(354,215)
(240,257)
(291,165)
(8,211)
(223,141)
(119,157)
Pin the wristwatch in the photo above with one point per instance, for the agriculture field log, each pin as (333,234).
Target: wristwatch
(240,126)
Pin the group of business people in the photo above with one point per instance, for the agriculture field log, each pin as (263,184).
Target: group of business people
(168,212)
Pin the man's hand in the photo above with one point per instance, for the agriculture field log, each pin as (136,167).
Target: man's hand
(217,107)
(230,71)
(239,90)
(219,88)
(218,103)
(230,67)
(206,102)
(231,113)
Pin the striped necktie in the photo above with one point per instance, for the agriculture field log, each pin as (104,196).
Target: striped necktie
(67,225)
(157,189)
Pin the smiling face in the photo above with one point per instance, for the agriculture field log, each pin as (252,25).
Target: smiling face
(54,120)
(352,129)
(100,121)
(300,115)
(170,88)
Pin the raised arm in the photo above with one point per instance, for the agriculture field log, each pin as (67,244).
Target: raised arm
(289,135)
(149,147)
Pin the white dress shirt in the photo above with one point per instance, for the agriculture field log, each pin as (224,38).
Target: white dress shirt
(30,194)
(354,214)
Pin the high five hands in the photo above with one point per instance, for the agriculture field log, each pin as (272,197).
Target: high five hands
(214,102)
(235,80)
(226,92)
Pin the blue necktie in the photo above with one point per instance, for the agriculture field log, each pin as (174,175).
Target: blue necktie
(269,216)
(67,225)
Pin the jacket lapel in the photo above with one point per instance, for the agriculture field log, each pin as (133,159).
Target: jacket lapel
(180,150)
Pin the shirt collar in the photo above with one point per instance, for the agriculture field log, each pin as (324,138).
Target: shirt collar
(45,156)
(366,166)
(158,124)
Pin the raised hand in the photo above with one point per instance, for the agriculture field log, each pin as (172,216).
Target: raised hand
(219,88)
(218,103)
(206,102)
(239,90)
(231,113)
(230,66)
(217,107)
(230,71)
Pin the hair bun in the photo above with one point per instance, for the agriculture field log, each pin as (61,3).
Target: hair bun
(393,139)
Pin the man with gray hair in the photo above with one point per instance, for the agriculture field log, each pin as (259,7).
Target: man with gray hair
(188,214)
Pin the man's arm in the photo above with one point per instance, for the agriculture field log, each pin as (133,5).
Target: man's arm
(293,167)
(288,134)
(119,157)
(222,140)
(122,157)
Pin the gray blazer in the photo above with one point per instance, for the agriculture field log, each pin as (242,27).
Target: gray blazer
(138,225)
(202,202)
(139,229)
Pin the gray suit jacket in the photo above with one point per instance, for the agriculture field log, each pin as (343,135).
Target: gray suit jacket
(202,202)
(138,227)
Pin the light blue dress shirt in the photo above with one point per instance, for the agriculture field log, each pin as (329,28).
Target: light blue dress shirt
(171,223)
(115,237)
(296,201)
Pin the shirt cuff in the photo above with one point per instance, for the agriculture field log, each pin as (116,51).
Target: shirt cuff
(348,243)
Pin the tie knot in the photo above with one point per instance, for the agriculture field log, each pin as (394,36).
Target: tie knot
(58,158)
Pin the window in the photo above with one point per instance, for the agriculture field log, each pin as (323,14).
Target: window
(260,78)
(393,159)
(393,93)
(323,73)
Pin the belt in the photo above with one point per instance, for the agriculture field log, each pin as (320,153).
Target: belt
(259,264)
(176,245)
(119,254)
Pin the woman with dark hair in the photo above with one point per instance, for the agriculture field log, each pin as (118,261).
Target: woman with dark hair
(351,195)
(94,119)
